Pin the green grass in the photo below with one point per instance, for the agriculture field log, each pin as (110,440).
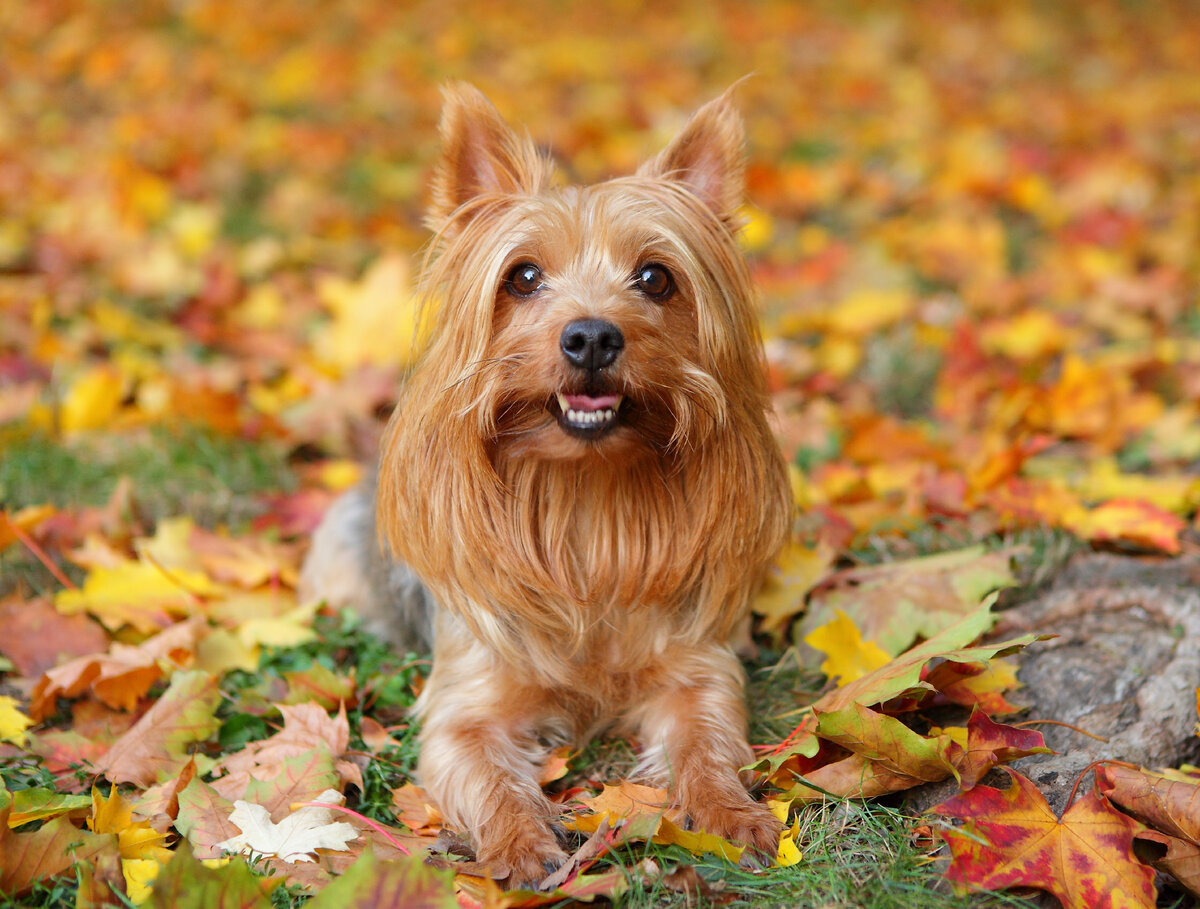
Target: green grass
(855,855)
(189,470)
(185,471)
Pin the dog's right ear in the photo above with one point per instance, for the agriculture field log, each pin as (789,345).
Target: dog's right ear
(481,155)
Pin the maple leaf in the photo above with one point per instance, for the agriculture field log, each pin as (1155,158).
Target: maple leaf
(1011,838)
(895,603)
(1167,803)
(299,779)
(120,677)
(1170,804)
(375,319)
(886,741)
(137,593)
(902,676)
(976,684)
(185,883)
(51,849)
(305,727)
(135,839)
(154,747)
(37,636)
(42,804)
(373,884)
(645,813)
(203,818)
(798,571)
(990,743)
(848,656)
(13,722)
(302,832)
(1131,521)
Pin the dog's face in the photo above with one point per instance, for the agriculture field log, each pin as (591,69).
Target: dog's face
(601,321)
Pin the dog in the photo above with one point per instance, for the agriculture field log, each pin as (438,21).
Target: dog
(578,492)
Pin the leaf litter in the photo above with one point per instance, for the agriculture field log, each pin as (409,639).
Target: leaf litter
(981,319)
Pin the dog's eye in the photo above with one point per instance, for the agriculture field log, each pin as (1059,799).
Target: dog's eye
(524,280)
(654,281)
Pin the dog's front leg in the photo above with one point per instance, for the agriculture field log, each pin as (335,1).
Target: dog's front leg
(693,730)
(481,757)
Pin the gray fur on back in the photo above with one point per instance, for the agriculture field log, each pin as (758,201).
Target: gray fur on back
(347,566)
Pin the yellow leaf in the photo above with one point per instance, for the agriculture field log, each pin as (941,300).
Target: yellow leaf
(849,657)
(13,722)
(800,568)
(1031,335)
(136,840)
(139,594)
(339,475)
(92,400)
(789,852)
(757,228)
(1172,492)
(375,320)
(139,876)
(288,630)
(868,311)
(1133,521)
(221,650)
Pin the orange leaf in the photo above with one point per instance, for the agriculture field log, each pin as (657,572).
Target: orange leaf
(1132,521)
(155,747)
(1012,839)
(990,743)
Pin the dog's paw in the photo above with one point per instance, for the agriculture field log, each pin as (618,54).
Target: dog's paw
(741,821)
(525,858)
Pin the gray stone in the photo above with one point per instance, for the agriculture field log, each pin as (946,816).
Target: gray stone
(1125,666)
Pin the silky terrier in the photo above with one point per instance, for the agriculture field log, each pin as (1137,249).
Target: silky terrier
(578,493)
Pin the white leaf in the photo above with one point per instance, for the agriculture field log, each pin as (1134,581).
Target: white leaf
(300,833)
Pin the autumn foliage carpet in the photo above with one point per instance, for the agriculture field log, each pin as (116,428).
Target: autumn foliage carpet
(976,230)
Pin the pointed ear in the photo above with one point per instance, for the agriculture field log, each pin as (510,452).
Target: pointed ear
(708,157)
(480,155)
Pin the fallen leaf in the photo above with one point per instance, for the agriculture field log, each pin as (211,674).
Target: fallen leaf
(990,743)
(50,850)
(848,656)
(155,747)
(302,832)
(374,884)
(38,637)
(123,675)
(799,570)
(1012,839)
(185,883)
(13,722)
(42,804)
(895,603)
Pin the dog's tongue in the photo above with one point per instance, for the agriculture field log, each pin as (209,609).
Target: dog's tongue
(588,403)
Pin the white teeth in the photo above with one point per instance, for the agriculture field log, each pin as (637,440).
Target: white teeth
(562,403)
(617,404)
(589,417)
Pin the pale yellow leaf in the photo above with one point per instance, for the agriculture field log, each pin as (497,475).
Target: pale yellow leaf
(294,838)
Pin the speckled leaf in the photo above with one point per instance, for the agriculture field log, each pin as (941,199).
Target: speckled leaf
(1011,838)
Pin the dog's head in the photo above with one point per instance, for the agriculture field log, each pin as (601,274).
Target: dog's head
(602,321)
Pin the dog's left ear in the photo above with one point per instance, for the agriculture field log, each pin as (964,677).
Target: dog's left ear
(708,157)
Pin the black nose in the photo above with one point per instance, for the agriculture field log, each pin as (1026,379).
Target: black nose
(591,343)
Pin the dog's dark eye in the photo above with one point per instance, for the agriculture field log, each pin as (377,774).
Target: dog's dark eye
(525,280)
(654,281)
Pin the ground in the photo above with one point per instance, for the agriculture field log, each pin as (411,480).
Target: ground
(974,233)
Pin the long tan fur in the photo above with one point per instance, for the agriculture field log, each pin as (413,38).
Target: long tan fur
(584,584)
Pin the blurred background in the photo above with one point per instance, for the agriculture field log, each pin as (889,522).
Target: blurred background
(974,226)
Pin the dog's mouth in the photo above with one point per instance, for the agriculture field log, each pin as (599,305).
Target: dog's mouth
(588,416)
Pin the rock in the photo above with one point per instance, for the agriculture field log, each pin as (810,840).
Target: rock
(1125,667)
